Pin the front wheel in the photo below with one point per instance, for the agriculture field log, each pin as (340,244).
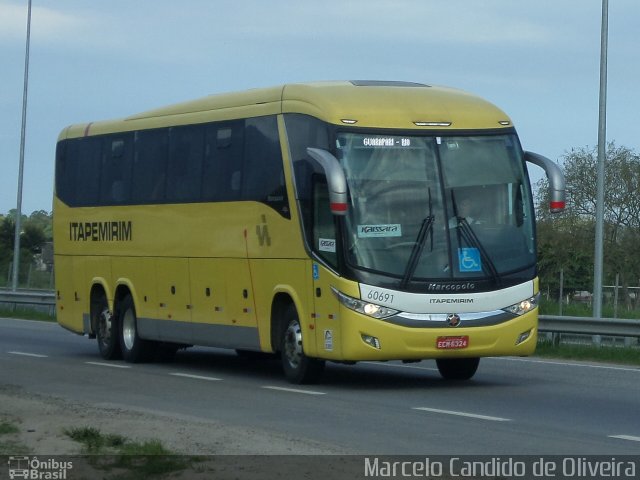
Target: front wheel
(298,368)
(457,368)
(134,349)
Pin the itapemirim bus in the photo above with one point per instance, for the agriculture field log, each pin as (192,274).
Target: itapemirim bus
(329,221)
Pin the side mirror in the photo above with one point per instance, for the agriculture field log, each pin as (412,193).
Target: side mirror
(336,181)
(555,176)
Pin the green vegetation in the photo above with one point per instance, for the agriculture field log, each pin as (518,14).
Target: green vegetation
(26,314)
(94,441)
(8,444)
(607,354)
(7,428)
(140,460)
(36,252)
(579,309)
(566,240)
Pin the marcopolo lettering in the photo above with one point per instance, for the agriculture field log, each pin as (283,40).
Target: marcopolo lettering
(120,231)
(451,287)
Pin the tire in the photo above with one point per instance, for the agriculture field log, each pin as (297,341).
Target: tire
(457,368)
(298,368)
(106,329)
(134,349)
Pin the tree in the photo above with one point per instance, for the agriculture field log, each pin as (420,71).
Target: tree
(42,220)
(36,231)
(567,240)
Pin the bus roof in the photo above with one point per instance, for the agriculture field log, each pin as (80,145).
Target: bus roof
(378,104)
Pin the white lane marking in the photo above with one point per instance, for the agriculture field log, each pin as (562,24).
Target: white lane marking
(293,390)
(112,365)
(381,364)
(196,377)
(567,364)
(626,437)
(463,414)
(25,354)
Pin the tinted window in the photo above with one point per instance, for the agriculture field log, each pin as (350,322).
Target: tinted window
(214,162)
(115,179)
(304,131)
(263,172)
(150,166)
(222,169)
(88,179)
(66,164)
(184,171)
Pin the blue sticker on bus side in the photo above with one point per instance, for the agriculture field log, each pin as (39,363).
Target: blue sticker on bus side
(469,260)
(316,272)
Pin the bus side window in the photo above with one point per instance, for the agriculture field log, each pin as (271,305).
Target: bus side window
(263,173)
(324,231)
(150,166)
(88,179)
(221,169)
(184,170)
(115,174)
(66,170)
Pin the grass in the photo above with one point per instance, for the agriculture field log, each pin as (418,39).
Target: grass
(607,354)
(7,428)
(94,441)
(140,459)
(26,314)
(8,446)
(579,309)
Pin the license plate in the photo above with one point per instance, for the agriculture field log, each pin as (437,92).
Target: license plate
(450,343)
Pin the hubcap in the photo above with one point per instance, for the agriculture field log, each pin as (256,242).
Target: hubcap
(293,344)
(129,329)
(104,327)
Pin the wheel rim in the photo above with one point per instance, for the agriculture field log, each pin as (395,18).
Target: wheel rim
(129,329)
(293,344)
(104,328)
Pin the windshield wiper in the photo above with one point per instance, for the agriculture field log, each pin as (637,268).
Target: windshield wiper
(470,237)
(418,246)
(416,252)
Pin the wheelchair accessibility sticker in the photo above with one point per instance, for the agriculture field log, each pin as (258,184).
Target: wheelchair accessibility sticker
(469,260)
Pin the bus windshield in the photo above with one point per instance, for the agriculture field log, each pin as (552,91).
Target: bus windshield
(425,207)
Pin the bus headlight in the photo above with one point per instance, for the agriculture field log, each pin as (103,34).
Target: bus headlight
(524,306)
(366,308)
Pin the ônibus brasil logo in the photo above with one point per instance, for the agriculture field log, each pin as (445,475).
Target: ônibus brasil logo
(36,469)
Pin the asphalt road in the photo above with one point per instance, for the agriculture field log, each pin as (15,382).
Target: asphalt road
(512,406)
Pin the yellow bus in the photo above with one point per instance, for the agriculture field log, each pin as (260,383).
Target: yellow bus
(329,221)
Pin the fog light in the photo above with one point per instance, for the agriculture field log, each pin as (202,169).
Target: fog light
(523,336)
(372,341)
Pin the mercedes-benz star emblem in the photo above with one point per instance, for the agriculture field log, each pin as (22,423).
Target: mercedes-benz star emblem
(453,319)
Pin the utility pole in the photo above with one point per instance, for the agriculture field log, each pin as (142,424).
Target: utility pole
(602,150)
(16,243)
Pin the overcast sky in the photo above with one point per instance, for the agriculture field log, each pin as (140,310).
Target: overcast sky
(538,60)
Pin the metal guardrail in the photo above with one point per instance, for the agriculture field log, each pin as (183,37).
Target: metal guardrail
(43,300)
(615,327)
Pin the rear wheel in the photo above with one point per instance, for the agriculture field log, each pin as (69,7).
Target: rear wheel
(106,326)
(457,368)
(134,349)
(298,368)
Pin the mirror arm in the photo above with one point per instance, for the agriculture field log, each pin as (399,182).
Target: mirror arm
(336,180)
(557,188)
